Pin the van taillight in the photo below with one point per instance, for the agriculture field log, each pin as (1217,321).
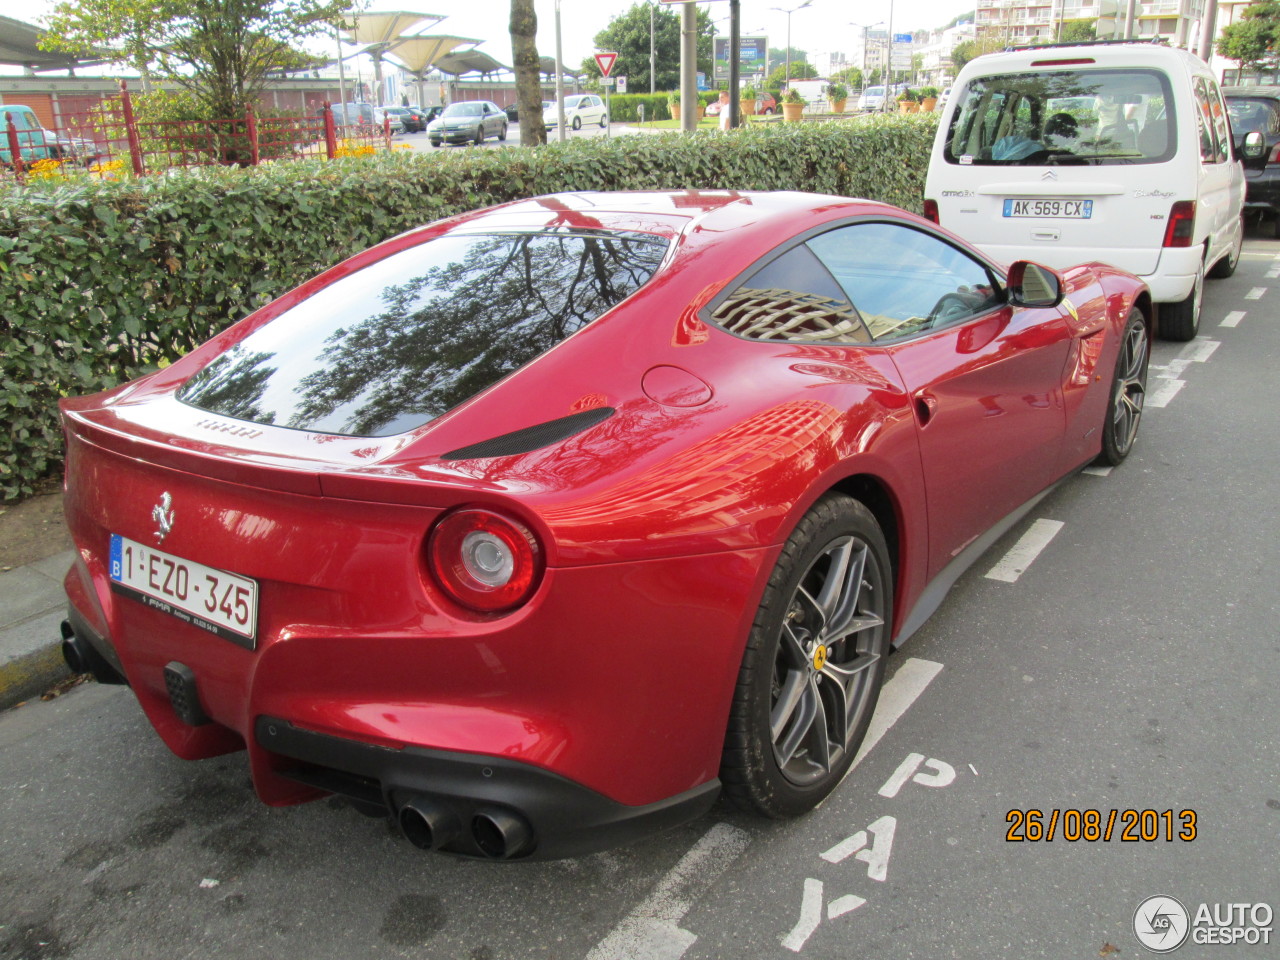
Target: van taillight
(1181,226)
(931,211)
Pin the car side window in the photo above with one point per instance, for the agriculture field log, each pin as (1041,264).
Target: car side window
(1205,125)
(793,297)
(902,280)
(1221,127)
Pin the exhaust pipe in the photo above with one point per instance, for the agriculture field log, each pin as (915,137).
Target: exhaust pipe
(81,657)
(428,825)
(501,834)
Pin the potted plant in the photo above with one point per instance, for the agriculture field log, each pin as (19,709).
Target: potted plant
(747,100)
(837,94)
(673,104)
(907,102)
(793,105)
(928,99)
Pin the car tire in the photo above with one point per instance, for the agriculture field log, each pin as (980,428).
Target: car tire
(478,139)
(1181,321)
(436,143)
(813,664)
(577,123)
(1226,266)
(1128,391)
(604,120)
(768,111)
(502,132)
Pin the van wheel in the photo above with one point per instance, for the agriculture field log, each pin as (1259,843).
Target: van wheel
(1227,265)
(1181,321)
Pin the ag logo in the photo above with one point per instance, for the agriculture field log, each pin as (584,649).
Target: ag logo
(1161,924)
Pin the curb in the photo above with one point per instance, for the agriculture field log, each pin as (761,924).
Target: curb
(25,677)
(32,608)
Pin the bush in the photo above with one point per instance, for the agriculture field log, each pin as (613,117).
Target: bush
(623,106)
(104,280)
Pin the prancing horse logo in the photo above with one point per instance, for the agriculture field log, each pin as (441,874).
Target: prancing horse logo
(162,514)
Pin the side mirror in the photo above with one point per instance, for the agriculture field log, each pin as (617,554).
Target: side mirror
(1255,145)
(1031,285)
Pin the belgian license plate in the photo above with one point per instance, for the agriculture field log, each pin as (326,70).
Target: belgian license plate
(1067,209)
(205,597)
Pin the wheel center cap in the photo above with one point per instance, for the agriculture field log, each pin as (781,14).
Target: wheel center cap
(819,657)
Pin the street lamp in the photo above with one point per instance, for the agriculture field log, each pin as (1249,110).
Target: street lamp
(787,84)
(652,8)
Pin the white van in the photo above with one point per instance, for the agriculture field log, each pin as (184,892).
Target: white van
(1118,152)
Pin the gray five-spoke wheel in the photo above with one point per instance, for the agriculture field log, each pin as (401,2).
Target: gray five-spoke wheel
(1130,387)
(823,671)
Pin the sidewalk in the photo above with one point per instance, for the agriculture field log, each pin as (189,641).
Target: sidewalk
(32,606)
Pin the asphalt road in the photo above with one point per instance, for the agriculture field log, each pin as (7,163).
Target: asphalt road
(1129,663)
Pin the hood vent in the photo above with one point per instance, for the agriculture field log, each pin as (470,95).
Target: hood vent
(531,438)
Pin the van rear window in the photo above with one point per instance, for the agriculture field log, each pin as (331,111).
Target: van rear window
(1063,118)
(409,337)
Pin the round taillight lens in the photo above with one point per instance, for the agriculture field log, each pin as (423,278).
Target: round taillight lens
(484,560)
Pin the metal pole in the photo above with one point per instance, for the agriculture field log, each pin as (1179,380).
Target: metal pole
(888,61)
(652,57)
(342,72)
(560,135)
(689,68)
(735,63)
(787,84)
(1208,23)
(1129,12)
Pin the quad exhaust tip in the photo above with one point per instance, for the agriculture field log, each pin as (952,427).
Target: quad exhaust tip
(430,824)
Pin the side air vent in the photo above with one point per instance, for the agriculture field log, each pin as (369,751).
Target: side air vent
(531,438)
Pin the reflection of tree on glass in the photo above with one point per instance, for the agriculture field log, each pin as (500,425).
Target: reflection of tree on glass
(233,385)
(408,338)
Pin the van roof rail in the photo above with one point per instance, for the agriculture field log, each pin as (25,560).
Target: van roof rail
(1156,41)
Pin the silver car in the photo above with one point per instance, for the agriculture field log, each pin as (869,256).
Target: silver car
(468,121)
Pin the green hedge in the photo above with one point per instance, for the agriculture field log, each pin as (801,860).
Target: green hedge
(102,281)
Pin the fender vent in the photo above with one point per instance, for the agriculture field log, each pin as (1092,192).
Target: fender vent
(531,438)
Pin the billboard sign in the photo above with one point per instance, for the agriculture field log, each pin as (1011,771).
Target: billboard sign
(753,56)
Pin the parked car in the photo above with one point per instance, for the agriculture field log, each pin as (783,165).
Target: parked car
(579,109)
(37,143)
(515,530)
(354,114)
(1119,152)
(400,117)
(872,98)
(1258,109)
(513,110)
(468,120)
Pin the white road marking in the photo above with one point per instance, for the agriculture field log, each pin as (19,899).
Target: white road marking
(651,931)
(1098,471)
(1257,293)
(842,905)
(1014,563)
(943,775)
(810,916)
(895,698)
(1162,392)
(1232,319)
(1273,273)
(1198,350)
(974,769)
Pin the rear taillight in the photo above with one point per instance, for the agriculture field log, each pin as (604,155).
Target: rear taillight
(1180,229)
(483,560)
(1275,154)
(931,211)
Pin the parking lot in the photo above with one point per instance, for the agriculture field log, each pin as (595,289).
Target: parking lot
(1111,653)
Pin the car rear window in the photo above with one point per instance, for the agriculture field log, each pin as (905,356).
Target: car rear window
(469,109)
(1063,117)
(402,341)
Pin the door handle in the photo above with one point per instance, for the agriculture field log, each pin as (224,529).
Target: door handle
(926,404)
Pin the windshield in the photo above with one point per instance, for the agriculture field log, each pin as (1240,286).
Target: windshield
(408,338)
(1063,117)
(468,109)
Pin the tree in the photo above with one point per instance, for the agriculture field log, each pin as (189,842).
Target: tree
(967,50)
(523,26)
(1252,39)
(1075,31)
(221,50)
(628,35)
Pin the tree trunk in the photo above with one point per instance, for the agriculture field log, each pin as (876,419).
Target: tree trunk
(524,51)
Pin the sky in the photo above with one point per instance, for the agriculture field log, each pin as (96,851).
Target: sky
(821,25)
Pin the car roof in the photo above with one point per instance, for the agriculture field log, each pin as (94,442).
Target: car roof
(1101,55)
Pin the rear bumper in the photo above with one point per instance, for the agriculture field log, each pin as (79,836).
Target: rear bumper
(565,818)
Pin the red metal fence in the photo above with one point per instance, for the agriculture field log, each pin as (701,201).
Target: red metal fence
(110,141)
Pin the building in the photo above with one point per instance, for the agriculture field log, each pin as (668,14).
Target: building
(1026,21)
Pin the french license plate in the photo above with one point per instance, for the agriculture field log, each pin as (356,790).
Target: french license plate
(1067,209)
(205,597)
